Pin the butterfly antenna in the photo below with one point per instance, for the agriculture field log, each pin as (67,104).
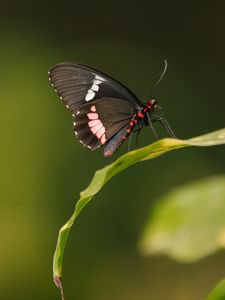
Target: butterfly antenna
(159,78)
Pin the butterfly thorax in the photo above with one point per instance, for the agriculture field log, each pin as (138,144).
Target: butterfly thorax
(142,115)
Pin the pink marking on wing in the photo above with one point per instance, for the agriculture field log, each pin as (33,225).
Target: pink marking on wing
(96,128)
(93,108)
(103,139)
(100,132)
(92,116)
(93,123)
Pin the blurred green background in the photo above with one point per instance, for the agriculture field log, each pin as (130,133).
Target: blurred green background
(43,168)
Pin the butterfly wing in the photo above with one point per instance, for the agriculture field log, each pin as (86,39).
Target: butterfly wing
(98,121)
(78,84)
(100,105)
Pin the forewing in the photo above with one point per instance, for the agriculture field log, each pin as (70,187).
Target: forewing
(78,84)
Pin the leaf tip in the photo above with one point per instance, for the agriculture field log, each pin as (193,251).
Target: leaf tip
(58,283)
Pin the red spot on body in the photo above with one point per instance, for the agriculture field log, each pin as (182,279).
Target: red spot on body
(140,114)
(131,124)
(128,130)
(150,104)
(108,153)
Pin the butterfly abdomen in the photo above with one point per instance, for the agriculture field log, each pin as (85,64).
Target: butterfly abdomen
(116,141)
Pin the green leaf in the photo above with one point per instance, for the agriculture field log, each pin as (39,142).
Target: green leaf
(101,177)
(188,223)
(218,293)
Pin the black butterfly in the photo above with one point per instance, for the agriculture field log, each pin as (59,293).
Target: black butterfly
(104,111)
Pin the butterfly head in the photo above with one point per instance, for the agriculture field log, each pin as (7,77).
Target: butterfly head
(157,114)
(154,108)
(157,111)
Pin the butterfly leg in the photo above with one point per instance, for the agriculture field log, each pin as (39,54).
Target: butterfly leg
(151,125)
(137,136)
(129,144)
(166,125)
(138,130)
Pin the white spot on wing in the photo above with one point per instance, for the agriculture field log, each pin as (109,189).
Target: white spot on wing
(75,132)
(67,106)
(90,95)
(74,123)
(81,141)
(89,147)
(95,87)
(73,115)
(97,81)
(78,112)
(98,77)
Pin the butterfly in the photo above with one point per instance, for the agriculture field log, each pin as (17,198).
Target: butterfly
(105,112)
